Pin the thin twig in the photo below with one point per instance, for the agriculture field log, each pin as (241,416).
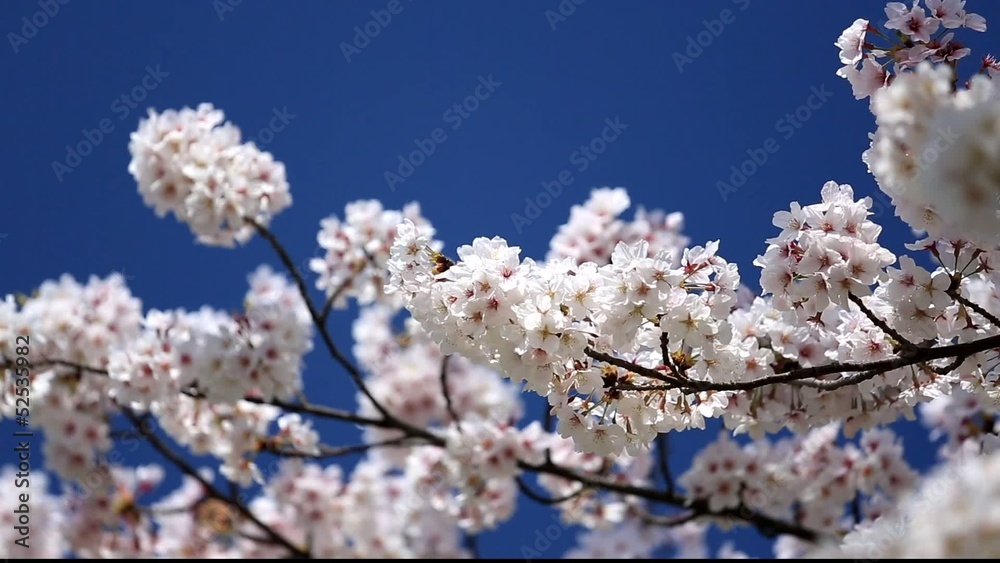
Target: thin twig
(447,396)
(293,271)
(669,521)
(765,524)
(331,347)
(667,360)
(328,305)
(325,451)
(663,454)
(472,544)
(905,344)
(541,499)
(994,320)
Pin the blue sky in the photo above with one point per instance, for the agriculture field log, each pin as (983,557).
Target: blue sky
(555,82)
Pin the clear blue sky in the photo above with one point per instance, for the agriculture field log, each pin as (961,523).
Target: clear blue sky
(352,120)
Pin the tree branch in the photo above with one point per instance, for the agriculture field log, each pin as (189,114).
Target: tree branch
(331,347)
(904,344)
(326,452)
(632,367)
(210,490)
(541,499)
(767,525)
(994,320)
(669,521)
(447,396)
(918,356)
(663,454)
(293,271)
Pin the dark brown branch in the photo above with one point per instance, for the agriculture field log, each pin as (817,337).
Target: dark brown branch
(839,383)
(767,525)
(80,368)
(472,544)
(328,305)
(323,412)
(542,499)
(994,320)
(632,367)
(331,347)
(663,456)
(447,396)
(633,387)
(952,366)
(921,355)
(905,345)
(667,360)
(346,416)
(210,489)
(326,452)
(669,521)
(856,508)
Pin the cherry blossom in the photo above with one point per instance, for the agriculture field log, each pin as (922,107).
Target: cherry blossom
(628,332)
(190,164)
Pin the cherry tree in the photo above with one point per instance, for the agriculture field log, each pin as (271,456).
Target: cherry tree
(628,332)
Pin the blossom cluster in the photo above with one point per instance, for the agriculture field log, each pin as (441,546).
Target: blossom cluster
(190,164)
(371,514)
(92,353)
(918,37)
(536,321)
(595,228)
(79,324)
(825,253)
(625,330)
(835,298)
(47,515)
(969,422)
(809,477)
(357,249)
(955,513)
(403,373)
(226,357)
(935,153)
(633,540)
